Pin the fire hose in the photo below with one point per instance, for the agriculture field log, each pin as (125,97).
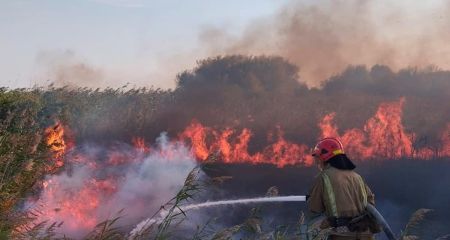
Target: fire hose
(370,209)
(373,212)
(381,221)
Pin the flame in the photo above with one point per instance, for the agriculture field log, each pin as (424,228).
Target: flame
(139,143)
(75,206)
(98,180)
(383,136)
(55,141)
(232,147)
(328,129)
(197,134)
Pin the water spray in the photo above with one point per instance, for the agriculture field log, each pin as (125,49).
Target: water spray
(245,201)
(163,213)
(296,198)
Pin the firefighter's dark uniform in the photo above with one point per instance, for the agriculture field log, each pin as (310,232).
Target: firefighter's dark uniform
(340,194)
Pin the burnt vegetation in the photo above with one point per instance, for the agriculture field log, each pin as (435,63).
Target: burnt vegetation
(258,93)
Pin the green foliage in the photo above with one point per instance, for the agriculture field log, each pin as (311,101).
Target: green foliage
(249,75)
(23,154)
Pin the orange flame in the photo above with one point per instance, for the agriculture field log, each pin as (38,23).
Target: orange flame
(327,127)
(77,206)
(80,199)
(235,150)
(56,142)
(383,135)
(197,134)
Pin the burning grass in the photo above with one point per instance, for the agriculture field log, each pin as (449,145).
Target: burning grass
(170,226)
(257,117)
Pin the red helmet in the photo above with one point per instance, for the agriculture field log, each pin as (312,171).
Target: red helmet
(328,148)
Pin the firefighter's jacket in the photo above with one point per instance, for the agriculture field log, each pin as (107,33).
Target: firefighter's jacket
(339,193)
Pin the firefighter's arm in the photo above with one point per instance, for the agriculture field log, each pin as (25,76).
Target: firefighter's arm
(370,195)
(315,200)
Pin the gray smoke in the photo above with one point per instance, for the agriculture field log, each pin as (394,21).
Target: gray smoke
(321,37)
(324,37)
(65,68)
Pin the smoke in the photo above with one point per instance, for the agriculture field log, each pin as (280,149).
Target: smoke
(64,68)
(361,54)
(258,96)
(67,68)
(100,181)
(324,37)
(321,37)
(261,94)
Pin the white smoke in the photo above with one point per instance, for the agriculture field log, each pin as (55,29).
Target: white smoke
(155,180)
(139,186)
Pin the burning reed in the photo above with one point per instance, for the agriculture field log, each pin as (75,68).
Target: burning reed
(94,152)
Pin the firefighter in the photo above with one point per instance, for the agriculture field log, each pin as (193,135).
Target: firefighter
(340,194)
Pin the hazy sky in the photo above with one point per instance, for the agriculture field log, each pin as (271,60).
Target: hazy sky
(129,40)
(100,43)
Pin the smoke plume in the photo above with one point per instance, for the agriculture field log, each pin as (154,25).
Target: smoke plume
(99,181)
(64,68)
(324,37)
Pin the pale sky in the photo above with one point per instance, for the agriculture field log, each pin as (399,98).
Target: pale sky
(101,43)
(130,39)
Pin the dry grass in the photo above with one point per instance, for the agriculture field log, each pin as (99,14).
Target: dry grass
(107,230)
(414,221)
(23,160)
